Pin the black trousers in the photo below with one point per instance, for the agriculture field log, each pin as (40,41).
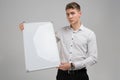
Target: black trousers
(72,75)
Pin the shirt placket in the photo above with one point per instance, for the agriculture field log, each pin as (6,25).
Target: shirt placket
(71,48)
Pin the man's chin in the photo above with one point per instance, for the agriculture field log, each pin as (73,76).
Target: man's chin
(72,23)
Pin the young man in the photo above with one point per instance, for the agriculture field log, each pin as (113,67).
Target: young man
(77,46)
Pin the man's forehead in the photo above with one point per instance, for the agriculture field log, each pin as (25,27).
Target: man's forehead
(71,10)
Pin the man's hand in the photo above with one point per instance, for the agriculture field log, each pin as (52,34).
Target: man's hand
(21,26)
(64,66)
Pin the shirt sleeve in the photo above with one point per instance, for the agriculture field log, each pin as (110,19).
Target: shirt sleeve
(91,52)
(57,37)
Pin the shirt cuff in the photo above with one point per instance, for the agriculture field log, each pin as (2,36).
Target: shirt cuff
(78,65)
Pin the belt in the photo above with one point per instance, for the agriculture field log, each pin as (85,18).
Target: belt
(76,71)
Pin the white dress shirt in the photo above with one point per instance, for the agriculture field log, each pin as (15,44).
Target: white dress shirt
(78,47)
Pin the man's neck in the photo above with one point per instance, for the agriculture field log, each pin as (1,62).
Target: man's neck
(76,26)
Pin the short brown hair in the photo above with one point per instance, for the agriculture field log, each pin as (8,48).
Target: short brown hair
(73,5)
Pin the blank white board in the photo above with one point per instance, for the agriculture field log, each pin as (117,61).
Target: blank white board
(40,46)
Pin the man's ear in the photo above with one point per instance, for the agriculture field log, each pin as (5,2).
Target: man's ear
(80,13)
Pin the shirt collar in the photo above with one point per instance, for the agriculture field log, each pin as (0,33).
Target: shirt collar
(80,28)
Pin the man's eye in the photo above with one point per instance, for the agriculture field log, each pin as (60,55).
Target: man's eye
(67,14)
(72,13)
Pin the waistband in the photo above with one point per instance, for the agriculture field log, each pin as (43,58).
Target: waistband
(74,71)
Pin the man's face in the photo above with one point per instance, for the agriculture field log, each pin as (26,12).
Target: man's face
(73,15)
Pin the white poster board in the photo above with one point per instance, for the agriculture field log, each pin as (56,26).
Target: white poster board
(40,46)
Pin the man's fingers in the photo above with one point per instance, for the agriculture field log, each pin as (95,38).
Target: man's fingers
(21,26)
(62,63)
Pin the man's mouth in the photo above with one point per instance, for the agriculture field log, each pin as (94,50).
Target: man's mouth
(71,20)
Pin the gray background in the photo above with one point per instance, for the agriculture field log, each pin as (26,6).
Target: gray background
(102,16)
